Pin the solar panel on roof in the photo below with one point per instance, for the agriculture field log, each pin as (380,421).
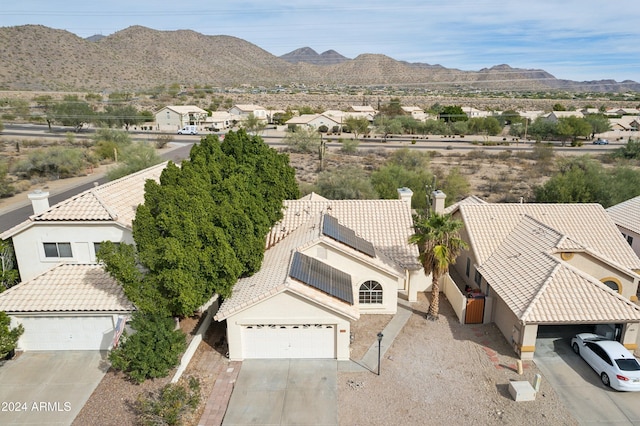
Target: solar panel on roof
(333,229)
(322,277)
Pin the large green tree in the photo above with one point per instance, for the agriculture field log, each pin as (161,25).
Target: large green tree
(439,244)
(453,113)
(204,225)
(599,123)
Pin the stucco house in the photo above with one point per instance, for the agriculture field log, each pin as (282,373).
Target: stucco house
(313,121)
(554,116)
(415,112)
(539,265)
(242,111)
(174,117)
(626,216)
(327,262)
(66,301)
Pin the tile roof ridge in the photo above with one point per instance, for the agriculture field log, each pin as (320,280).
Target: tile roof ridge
(541,290)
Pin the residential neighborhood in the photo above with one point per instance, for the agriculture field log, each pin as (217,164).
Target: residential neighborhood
(331,267)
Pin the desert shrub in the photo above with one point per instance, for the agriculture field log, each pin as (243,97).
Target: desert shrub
(163,140)
(152,350)
(349,146)
(6,188)
(303,140)
(170,404)
(55,162)
(110,142)
(133,158)
(8,336)
(345,183)
(323,129)
(630,151)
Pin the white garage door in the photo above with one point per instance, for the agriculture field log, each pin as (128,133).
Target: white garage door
(289,341)
(66,333)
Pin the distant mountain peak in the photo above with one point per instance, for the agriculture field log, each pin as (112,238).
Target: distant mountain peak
(310,56)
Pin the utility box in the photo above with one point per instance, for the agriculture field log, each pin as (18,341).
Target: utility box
(522,391)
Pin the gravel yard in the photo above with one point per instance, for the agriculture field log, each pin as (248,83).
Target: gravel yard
(442,372)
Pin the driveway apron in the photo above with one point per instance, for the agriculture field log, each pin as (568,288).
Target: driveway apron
(284,392)
(48,387)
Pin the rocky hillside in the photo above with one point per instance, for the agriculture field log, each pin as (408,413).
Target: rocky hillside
(138,58)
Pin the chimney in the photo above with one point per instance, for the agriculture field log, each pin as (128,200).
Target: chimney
(437,200)
(39,201)
(405,195)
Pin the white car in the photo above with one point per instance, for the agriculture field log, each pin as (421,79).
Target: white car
(617,367)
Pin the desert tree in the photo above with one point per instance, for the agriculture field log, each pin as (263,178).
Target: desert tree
(253,124)
(357,125)
(439,244)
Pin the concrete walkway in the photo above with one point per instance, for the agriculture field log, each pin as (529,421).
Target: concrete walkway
(369,361)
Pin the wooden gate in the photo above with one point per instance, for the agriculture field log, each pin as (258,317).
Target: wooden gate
(475,310)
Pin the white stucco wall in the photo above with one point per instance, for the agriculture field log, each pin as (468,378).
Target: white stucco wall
(287,309)
(361,272)
(29,248)
(603,271)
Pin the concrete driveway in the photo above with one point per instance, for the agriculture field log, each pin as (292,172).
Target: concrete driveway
(284,392)
(48,387)
(580,388)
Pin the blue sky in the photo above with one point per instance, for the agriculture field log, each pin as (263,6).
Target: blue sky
(571,39)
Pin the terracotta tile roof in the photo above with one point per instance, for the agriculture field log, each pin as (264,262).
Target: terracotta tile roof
(273,276)
(627,214)
(541,288)
(387,224)
(115,201)
(587,225)
(67,288)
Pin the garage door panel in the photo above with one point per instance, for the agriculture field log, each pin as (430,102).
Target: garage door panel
(289,341)
(67,333)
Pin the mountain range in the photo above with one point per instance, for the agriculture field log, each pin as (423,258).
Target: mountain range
(36,57)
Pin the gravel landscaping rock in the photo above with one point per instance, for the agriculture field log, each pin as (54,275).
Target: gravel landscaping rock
(443,372)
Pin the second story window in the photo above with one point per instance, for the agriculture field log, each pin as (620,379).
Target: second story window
(57,250)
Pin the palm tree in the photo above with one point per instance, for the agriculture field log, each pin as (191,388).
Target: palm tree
(439,244)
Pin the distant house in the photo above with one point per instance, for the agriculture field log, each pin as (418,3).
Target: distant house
(314,121)
(530,267)
(66,301)
(173,118)
(554,116)
(475,113)
(366,109)
(415,112)
(219,120)
(622,111)
(626,216)
(242,111)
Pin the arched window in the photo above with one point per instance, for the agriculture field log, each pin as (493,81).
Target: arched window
(613,283)
(370,292)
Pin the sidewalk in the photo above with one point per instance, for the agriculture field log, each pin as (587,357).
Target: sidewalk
(369,361)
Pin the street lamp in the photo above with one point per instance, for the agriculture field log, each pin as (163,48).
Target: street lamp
(380,335)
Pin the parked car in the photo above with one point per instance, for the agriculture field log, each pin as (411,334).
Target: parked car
(601,142)
(617,367)
(188,130)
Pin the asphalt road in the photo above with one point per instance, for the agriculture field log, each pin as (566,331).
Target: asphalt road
(22,213)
